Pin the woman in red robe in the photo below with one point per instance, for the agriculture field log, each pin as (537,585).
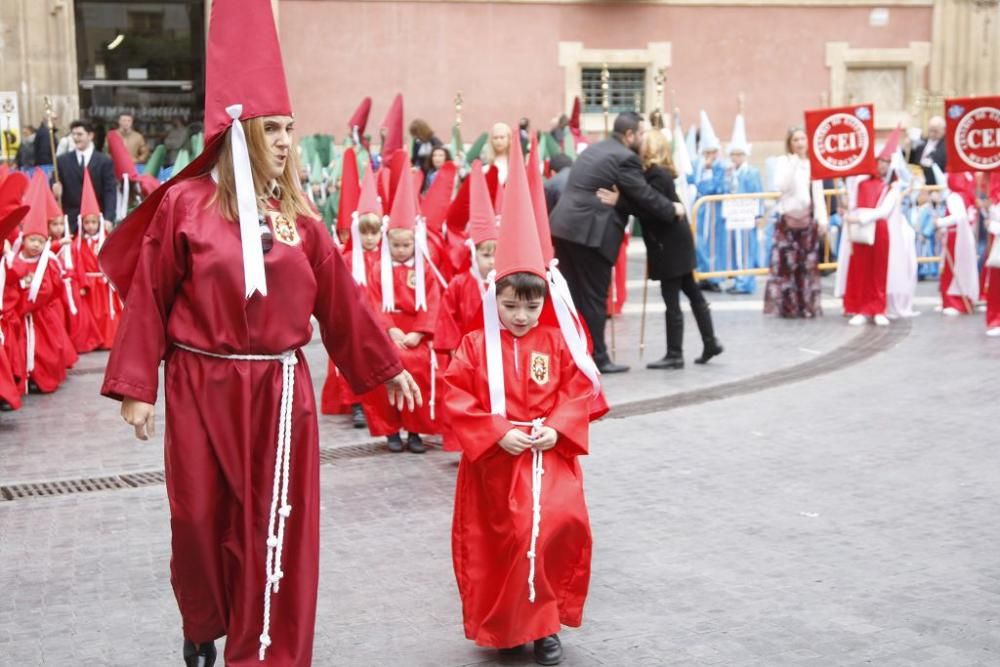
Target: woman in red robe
(221,270)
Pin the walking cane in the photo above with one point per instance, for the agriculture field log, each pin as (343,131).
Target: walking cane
(642,321)
(52,140)
(606,106)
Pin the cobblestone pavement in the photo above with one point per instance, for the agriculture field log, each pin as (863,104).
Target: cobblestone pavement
(846,519)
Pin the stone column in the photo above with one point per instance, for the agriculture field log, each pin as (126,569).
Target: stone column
(38,57)
(965,58)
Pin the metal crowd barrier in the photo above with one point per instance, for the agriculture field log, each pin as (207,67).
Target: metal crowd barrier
(825,265)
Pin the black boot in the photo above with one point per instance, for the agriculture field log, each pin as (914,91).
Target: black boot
(675,343)
(358,416)
(712,346)
(199,655)
(548,650)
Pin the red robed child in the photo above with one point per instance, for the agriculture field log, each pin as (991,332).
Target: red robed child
(97,295)
(406,297)
(38,343)
(12,211)
(360,220)
(519,407)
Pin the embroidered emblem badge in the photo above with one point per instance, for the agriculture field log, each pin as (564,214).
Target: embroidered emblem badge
(540,368)
(284,229)
(411,279)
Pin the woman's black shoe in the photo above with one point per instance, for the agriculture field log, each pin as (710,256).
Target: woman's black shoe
(548,650)
(712,349)
(358,417)
(395,443)
(667,362)
(199,655)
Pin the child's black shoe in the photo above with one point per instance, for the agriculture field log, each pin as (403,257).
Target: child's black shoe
(548,650)
(415,444)
(395,443)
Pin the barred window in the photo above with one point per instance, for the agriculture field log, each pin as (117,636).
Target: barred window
(625,88)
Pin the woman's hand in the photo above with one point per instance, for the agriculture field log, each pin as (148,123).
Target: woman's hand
(140,416)
(679,210)
(403,391)
(608,197)
(545,439)
(515,442)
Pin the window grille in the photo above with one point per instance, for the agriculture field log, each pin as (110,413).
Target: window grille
(623,87)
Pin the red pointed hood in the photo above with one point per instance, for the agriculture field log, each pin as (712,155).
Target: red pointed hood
(458,210)
(437,199)
(960,183)
(88,199)
(574,115)
(518,249)
(392,125)
(359,120)
(404,205)
(12,205)
(482,218)
(369,201)
(538,204)
(234,74)
(350,190)
(120,156)
(35,223)
(52,207)
(891,144)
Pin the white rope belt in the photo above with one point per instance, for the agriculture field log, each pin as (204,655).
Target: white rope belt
(537,470)
(29,339)
(282,477)
(69,295)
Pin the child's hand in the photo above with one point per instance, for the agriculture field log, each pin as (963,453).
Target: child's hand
(412,339)
(397,336)
(515,441)
(545,439)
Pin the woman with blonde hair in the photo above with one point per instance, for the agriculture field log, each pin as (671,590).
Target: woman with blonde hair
(221,270)
(498,149)
(794,288)
(670,257)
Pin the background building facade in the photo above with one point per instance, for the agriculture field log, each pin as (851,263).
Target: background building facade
(515,58)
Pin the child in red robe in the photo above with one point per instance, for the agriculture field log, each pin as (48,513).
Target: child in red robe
(520,407)
(991,268)
(39,346)
(462,303)
(406,298)
(12,211)
(361,215)
(97,295)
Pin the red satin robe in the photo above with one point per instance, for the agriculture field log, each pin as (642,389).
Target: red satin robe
(868,271)
(101,299)
(336,397)
(383,418)
(222,414)
(86,332)
(618,290)
(991,289)
(956,301)
(461,311)
(54,352)
(491,531)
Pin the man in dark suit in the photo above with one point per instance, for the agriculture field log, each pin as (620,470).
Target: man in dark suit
(587,235)
(71,166)
(931,150)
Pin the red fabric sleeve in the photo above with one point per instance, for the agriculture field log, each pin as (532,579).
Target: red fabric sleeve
(141,341)
(571,415)
(353,336)
(470,423)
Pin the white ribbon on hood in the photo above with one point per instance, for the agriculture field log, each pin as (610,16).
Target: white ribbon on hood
(254,278)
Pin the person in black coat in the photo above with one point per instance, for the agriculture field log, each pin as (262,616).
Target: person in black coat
(931,150)
(587,235)
(71,165)
(670,257)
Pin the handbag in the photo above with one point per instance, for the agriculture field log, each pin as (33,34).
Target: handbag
(798,219)
(862,234)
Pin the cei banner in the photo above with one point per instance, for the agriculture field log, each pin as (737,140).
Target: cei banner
(841,141)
